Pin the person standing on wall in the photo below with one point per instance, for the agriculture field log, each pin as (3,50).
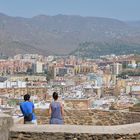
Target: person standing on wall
(56,110)
(27,109)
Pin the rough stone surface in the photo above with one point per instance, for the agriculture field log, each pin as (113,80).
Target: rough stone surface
(5,123)
(92,117)
(75,132)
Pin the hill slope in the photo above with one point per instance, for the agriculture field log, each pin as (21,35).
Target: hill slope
(63,34)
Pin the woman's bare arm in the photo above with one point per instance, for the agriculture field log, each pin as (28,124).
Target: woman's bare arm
(62,110)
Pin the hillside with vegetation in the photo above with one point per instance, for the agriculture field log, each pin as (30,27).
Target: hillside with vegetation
(63,34)
(96,49)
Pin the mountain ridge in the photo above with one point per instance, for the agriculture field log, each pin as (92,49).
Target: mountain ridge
(62,34)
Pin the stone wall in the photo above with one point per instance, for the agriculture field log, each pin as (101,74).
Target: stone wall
(106,126)
(5,123)
(76,104)
(92,117)
(75,132)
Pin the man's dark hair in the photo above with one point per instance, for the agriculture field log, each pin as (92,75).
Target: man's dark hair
(26,97)
(55,95)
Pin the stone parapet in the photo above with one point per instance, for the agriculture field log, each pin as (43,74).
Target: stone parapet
(75,132)
(5,123)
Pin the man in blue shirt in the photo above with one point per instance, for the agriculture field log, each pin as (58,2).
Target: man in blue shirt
(27,109)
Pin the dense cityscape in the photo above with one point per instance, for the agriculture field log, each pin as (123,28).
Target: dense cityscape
(108,83)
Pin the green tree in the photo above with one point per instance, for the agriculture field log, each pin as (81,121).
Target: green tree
(49,75)
(29,71)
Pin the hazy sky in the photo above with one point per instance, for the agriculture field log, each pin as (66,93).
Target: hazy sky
(119,9)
